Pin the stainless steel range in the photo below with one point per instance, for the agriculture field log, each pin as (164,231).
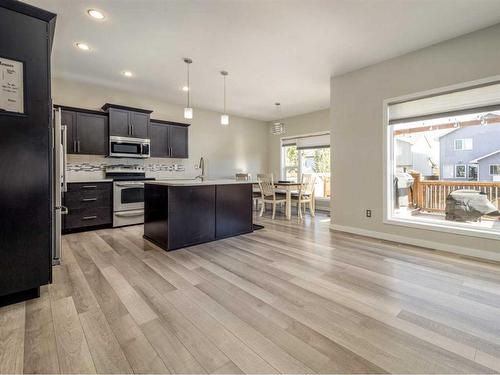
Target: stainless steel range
(128,194)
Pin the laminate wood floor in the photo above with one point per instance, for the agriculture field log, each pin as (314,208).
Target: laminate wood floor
(291,298)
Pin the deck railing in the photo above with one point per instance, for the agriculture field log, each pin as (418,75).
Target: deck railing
(430,195)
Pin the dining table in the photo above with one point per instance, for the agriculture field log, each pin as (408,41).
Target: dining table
(288,187)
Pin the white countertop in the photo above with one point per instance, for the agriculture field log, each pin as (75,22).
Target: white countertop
(197,182)
(89,180)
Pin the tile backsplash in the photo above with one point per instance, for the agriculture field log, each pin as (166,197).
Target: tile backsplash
(85,167)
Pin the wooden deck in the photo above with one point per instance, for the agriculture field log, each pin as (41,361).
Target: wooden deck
(290,298)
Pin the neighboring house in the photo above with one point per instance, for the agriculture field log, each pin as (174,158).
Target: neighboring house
(418,154)
(471,154)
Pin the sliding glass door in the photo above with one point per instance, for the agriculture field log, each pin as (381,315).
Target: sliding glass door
(307,155)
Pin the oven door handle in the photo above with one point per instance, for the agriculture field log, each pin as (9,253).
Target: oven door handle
(130,185)
(130,213)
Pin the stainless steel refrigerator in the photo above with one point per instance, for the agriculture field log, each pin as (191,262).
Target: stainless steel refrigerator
(59,182)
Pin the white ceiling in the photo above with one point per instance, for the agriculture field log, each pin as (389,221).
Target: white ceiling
(274,50)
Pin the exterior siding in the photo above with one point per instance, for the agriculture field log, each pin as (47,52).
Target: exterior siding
(484,168)
(485,140)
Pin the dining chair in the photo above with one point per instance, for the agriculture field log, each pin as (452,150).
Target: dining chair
(306,194)
(268,193)
(256,196)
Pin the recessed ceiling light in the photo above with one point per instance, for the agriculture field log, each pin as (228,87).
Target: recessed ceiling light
(127,73)
(94,13)
(185,88)
(82,46)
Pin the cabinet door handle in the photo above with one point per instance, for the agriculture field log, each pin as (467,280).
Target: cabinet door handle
(89,199)
(74,146)
(132,129)
(89,217)
(78,146)
(89,187)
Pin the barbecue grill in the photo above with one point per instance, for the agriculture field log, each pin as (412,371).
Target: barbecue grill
(469,205)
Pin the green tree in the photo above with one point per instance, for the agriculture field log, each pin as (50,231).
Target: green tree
(322,160)
(291,156)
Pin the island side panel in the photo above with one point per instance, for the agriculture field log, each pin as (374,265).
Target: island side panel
(233,210)
(191,212)
(156,214)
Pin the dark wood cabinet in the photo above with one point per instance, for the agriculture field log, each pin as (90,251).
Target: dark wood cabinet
(233,210)
(89,205)
(87,131)
(68,119)
(169,139)
(119,122)
(177,216)
(92,130)
(139,123)
(178,142)
(158,134)
(127,121)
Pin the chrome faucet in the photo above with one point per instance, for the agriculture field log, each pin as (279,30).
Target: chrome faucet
(202,167)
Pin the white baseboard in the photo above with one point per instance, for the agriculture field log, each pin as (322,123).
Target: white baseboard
(476,253)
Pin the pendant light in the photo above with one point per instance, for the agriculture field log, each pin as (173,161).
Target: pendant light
(188,111)
(278,127)
(224,118)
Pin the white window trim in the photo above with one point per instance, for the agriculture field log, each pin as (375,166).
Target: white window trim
(489,169)
(455,171)
(464,143)
(388,155)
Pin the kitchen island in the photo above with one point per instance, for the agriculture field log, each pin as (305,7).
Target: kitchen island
(180,213)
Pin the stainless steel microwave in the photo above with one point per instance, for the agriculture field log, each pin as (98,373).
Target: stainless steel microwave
(125,147)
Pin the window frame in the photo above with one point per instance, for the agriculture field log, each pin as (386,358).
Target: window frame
(455,171)
(283,167)
(388,157)
(492,165)
(464,143)
(477,171)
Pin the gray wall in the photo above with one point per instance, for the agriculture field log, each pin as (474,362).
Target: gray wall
(357,130)
(484,167)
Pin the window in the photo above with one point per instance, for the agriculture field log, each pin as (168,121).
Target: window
(463,144)
(495,169)
(460,171)
(472,172)
(290,162)
(429,178)
(307,155)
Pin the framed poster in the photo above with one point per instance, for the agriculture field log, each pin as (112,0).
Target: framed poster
(11,86)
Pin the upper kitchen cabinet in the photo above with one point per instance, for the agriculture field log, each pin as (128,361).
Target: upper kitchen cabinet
(178,141)
(87,131)
(168,139)
(127,121)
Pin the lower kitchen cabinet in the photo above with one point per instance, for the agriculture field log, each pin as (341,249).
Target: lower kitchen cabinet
(89,205)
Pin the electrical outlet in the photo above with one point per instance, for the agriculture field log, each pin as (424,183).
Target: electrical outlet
(368,213)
